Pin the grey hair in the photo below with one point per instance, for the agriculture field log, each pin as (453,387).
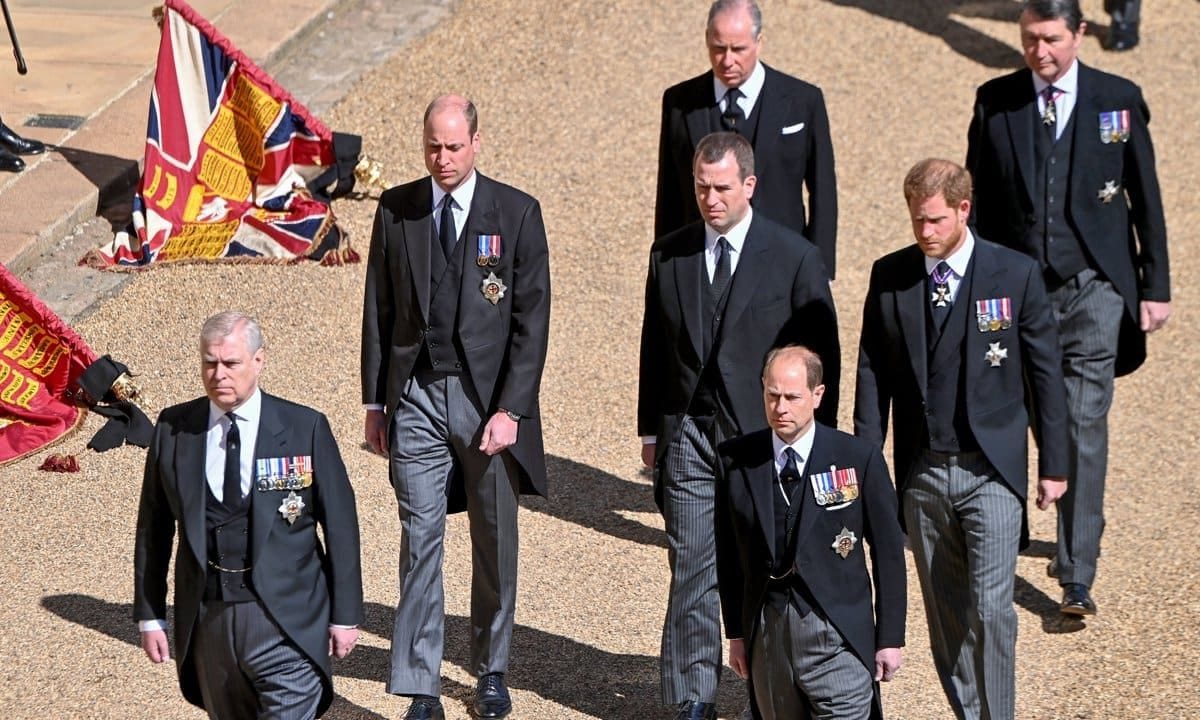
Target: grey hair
(721,6)
(224,324)
(1066,10)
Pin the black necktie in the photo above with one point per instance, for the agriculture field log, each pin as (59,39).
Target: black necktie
(790,473)
(447,235)
(233,464)
(732,118)
(724,269)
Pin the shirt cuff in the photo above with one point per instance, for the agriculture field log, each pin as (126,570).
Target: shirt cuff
(649,439)
(373,406)
(343,627)
(151,625)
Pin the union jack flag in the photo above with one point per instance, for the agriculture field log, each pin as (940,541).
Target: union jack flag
(229,155)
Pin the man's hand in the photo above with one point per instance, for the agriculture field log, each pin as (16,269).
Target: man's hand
(1154,314)
(737,657)
(154,644)
(499,434)
(648,454)
(1050,489)
(341,641)
(887,664)
(375,431)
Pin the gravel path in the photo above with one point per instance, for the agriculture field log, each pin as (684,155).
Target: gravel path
(569,98)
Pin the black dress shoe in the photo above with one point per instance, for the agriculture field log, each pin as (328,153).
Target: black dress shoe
(18,144)
(696,710)
(491,697)
(1122,36)
(425,707)
(10,162)
(1077,600)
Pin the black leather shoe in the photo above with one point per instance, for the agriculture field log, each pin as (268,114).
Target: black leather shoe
(1077,600)
(425,707)
(491,697)
(1122,36)
(10,162)
(696,710)
(18,144)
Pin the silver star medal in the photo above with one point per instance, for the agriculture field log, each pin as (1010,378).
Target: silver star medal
(843,543)
(1108,192)
(996,354)
(940,297)
(493,288)
(290,507)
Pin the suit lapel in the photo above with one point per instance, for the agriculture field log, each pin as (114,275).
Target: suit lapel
(484,219)
(1086,116)
(272,442)
(689,271)
(820,459)
(986,276)
(754,265)
(910,307)
(699,119)
(770,106)
(189,471)
(760,482)
(418,234)
(1021,121)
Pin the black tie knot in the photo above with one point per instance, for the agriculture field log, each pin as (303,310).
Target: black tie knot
(447,233)
(790,472)
(732,117)
(232,487)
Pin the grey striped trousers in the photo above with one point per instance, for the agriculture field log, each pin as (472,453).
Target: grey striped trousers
(691,641)
(1089,313)
(965,527)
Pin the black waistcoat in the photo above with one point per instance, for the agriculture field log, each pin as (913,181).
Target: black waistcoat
(708,399)
(442,350)
(792,587)
(946,425)
(227,539)
(1064,253)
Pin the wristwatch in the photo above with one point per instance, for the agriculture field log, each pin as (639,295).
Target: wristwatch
(515,417)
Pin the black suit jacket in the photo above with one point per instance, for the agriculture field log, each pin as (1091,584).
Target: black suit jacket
(778,295)
(305,586)
(1126,237)
(505,344)
(893,372)
(745,536)
(792,149)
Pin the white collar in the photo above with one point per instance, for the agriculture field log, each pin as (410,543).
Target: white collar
(750,89)
(463,194)
(247,412)
(959,259)
(802,446)
(736,237)
(1068,83)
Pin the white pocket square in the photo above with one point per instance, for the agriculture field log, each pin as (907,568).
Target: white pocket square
(792,129)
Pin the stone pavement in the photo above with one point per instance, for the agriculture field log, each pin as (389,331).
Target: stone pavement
(91,68)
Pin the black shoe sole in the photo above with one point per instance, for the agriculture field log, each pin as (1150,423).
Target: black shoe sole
(1077,610)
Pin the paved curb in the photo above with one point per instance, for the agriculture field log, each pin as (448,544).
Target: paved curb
(92,171)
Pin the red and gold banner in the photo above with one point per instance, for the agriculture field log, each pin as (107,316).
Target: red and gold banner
(40,359)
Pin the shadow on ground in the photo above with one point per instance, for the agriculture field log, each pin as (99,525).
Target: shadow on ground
(586,679)
(595,499)
(934,17)
(115,177)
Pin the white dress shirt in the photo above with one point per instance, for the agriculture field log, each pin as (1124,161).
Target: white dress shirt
(1064,104)
(802,447)
(462,196)
(736,237)
(957,261)
(751,89)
